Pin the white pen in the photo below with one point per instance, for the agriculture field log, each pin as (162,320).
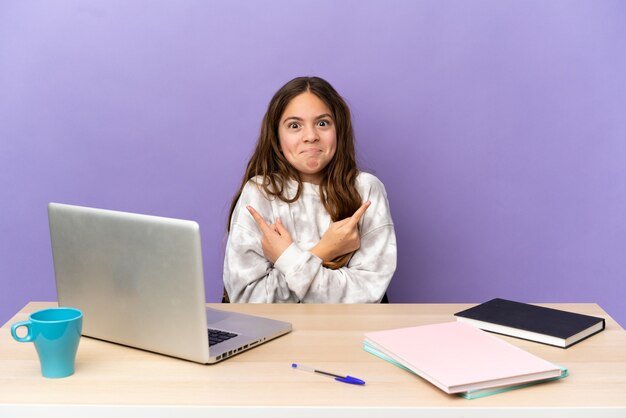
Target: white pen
(337,377)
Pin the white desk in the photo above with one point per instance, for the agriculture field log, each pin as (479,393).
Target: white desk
(112,380)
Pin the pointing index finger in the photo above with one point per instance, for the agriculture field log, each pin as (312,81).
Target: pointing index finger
(359,212)
(263,226)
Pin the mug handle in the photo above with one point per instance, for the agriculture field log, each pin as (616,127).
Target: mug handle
(28,338)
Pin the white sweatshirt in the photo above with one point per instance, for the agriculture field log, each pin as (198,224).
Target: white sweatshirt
(298,275)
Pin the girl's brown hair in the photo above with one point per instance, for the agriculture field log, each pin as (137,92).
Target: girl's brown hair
(338,186)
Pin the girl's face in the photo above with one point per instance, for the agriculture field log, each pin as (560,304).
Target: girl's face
(307,136)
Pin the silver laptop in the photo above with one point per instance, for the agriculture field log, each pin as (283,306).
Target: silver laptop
(138,280)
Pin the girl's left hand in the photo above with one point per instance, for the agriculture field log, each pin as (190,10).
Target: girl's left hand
(276,238)
(342,237)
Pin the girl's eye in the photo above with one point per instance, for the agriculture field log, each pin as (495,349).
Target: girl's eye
(293,125)
(323,123)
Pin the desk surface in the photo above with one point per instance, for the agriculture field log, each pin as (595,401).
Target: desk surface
(325,336)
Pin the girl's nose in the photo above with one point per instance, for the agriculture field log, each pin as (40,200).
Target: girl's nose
(311,135)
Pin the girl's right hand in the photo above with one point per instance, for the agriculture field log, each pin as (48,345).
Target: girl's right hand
(276,238)
(342,237)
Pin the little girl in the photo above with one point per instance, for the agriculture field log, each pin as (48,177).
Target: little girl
(307,226)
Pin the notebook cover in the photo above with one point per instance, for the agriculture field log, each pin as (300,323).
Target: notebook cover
(458,357)
(471,394)
(538,319)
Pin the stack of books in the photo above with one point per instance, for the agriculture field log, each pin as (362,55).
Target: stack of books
(461,359)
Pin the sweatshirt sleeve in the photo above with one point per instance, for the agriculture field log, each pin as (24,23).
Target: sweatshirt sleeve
(365,278)
(248,276)
(298,275)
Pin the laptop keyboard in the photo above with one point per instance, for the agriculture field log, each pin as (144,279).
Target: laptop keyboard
(216,336)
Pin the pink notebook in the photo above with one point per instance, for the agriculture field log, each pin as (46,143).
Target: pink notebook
(457,357)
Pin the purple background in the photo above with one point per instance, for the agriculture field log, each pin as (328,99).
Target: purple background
(498,127)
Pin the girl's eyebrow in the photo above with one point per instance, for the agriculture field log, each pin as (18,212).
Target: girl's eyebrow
(292,118)
(296,118)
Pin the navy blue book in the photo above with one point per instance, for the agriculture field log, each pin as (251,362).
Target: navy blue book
(532,322)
